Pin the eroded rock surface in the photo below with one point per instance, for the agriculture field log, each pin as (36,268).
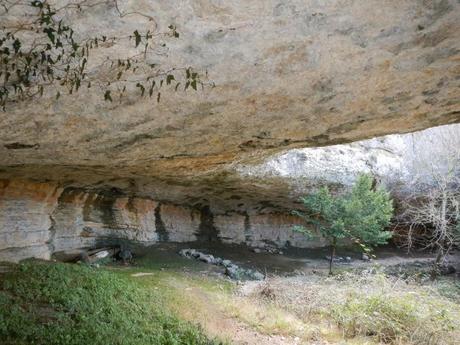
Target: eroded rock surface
(38,219)
(288,74)
(400,162)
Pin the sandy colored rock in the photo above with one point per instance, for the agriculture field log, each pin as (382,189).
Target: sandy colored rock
(287,74)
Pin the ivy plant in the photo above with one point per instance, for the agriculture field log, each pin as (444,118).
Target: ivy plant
(39,50)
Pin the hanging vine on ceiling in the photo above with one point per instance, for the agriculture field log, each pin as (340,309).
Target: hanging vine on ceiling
(40,52)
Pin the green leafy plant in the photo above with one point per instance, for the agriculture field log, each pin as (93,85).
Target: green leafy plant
(40,51)
(57,304)
(359,215)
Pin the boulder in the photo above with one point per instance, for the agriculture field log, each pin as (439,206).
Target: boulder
(233,272)
(209,259)
(257,275)
(226,263)
(125,255)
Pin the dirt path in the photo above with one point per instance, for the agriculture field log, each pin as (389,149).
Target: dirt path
(203,309)
(217,323)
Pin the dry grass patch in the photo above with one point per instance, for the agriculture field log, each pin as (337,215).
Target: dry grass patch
(368,304)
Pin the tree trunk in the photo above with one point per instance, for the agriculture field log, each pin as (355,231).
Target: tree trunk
(437,263)
(442,233)
(435,269)
(333,245)
(439,256)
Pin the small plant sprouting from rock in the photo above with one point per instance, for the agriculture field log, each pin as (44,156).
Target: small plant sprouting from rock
(360,215)
(41,52)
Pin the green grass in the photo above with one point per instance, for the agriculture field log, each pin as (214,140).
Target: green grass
(43,303)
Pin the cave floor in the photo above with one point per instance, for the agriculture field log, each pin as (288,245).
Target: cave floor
(292,261)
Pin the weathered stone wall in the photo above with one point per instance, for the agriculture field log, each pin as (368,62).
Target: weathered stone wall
(275,229)
(261,230)
(232,228)
(180,224)
(38,219)
(25,222)
(83,219)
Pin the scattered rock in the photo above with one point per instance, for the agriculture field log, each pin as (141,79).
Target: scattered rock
(365,257)
(96,256)
(339,259)
(209,259)
(231,270)
(267,249)
(258,276)
(226,263)
(102,254)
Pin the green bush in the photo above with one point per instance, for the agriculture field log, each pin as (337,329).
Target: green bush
(62,304)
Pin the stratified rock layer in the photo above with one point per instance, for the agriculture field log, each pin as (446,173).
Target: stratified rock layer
(250,205)
(38,219)
(25,221)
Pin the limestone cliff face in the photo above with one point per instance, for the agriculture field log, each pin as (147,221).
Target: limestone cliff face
(39,219)
(253,207)
(24,218)
(287,74)
(396,161)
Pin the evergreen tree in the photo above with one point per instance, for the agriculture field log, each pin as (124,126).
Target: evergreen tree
(360,215)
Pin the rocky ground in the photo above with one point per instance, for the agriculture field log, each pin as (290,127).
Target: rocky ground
(289,261)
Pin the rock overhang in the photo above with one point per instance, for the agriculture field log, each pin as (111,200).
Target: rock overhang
(288,74)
